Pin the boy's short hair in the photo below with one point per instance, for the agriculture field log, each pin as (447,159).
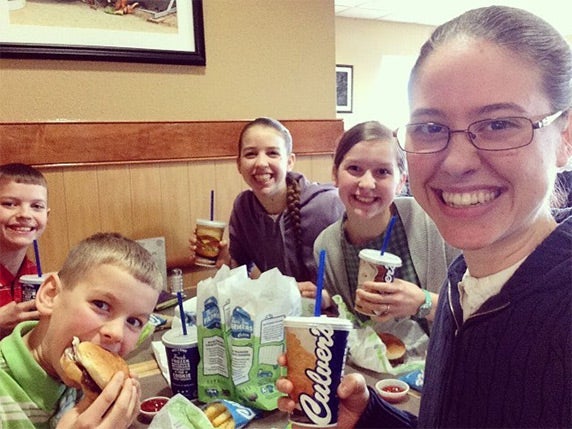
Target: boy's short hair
(22,173)
(110,248)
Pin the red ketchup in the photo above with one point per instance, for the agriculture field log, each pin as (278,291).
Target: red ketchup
(392,389)
(153,405)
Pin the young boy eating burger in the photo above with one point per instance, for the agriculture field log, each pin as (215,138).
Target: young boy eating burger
(104,294)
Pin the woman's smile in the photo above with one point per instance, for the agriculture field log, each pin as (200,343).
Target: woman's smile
(468,199)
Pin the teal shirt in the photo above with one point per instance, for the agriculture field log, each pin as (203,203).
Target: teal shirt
(29,397)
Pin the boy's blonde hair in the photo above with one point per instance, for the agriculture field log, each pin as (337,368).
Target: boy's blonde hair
(112,249)
(22,173)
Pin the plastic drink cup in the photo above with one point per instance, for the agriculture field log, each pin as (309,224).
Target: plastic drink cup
(316,353)
(373,266)
(209,234)
(30,284)
(183,360)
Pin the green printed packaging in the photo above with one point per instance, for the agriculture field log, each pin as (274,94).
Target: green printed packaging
(251,314)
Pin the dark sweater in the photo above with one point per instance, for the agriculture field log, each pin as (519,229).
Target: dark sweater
(509,364)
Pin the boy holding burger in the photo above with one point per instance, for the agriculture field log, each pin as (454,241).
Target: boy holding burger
(104,294)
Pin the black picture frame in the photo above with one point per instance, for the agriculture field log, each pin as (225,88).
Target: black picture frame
(194,54)
(344,88)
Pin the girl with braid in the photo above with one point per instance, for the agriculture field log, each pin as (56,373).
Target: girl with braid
(275,222)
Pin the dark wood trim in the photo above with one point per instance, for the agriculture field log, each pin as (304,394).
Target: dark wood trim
(91,143)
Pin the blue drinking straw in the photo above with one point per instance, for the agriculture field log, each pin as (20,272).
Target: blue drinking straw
(178,285)
(37,255)
(212,204)
(182,312)
(320,284)
(387,234)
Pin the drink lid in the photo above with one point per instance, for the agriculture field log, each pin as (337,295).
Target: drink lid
(375,257)
(212,223)
(32,279)
(308,322)
(175,337)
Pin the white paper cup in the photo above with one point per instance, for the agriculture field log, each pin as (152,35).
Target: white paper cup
(373,266)
(316,353)
(209,234)
(30,284)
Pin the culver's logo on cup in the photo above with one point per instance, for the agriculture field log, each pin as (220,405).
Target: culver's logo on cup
(316,361)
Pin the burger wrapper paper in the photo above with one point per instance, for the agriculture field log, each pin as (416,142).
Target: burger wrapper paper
(366,349)
(241,334)
(180,413)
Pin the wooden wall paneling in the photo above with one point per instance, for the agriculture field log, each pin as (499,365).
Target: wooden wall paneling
(201,176)
(175,209)
(229,184)
(322,168)
(54,243)
(82,203)
(303,165)
(146,201)
(116,211)
(53,143)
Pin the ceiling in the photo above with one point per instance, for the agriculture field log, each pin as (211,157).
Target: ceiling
(436,12)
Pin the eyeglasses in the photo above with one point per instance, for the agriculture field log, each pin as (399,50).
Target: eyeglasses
(489,134)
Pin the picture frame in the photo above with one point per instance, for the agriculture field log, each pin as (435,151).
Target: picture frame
(101,36)
(344,88)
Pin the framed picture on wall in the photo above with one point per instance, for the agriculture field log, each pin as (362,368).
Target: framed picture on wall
(344,88)
(143,31)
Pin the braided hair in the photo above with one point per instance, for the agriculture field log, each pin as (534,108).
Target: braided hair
(293,205)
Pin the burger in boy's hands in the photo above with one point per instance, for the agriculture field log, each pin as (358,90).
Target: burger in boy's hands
(90,367)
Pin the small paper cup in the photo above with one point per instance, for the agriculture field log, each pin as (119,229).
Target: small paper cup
(30,284)
(392,389)
(373,266)
(151,406)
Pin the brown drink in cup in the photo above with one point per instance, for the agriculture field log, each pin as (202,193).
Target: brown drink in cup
(377,267)
(316,353)
(209,234)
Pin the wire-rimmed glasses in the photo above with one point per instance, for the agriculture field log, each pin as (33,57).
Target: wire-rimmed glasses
(497,134)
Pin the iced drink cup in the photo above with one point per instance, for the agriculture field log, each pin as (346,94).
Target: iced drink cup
(30,285)
(183,361)
(209,234)
(373,266)
(316,353)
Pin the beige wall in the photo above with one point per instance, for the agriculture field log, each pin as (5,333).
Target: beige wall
(364,44)
(264,57)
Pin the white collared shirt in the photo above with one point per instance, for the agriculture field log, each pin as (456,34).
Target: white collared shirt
(475,291)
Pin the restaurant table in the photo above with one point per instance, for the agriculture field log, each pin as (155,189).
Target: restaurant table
(143,363)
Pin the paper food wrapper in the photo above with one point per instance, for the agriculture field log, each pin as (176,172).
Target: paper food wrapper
(366,348)
(180,413)
(241,334)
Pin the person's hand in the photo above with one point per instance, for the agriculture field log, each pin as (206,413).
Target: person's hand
(15,312)
(308,290)
(386,301)
(352,391)
(115,408)
(223,257)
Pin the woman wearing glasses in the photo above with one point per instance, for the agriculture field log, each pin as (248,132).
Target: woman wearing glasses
(490,96)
